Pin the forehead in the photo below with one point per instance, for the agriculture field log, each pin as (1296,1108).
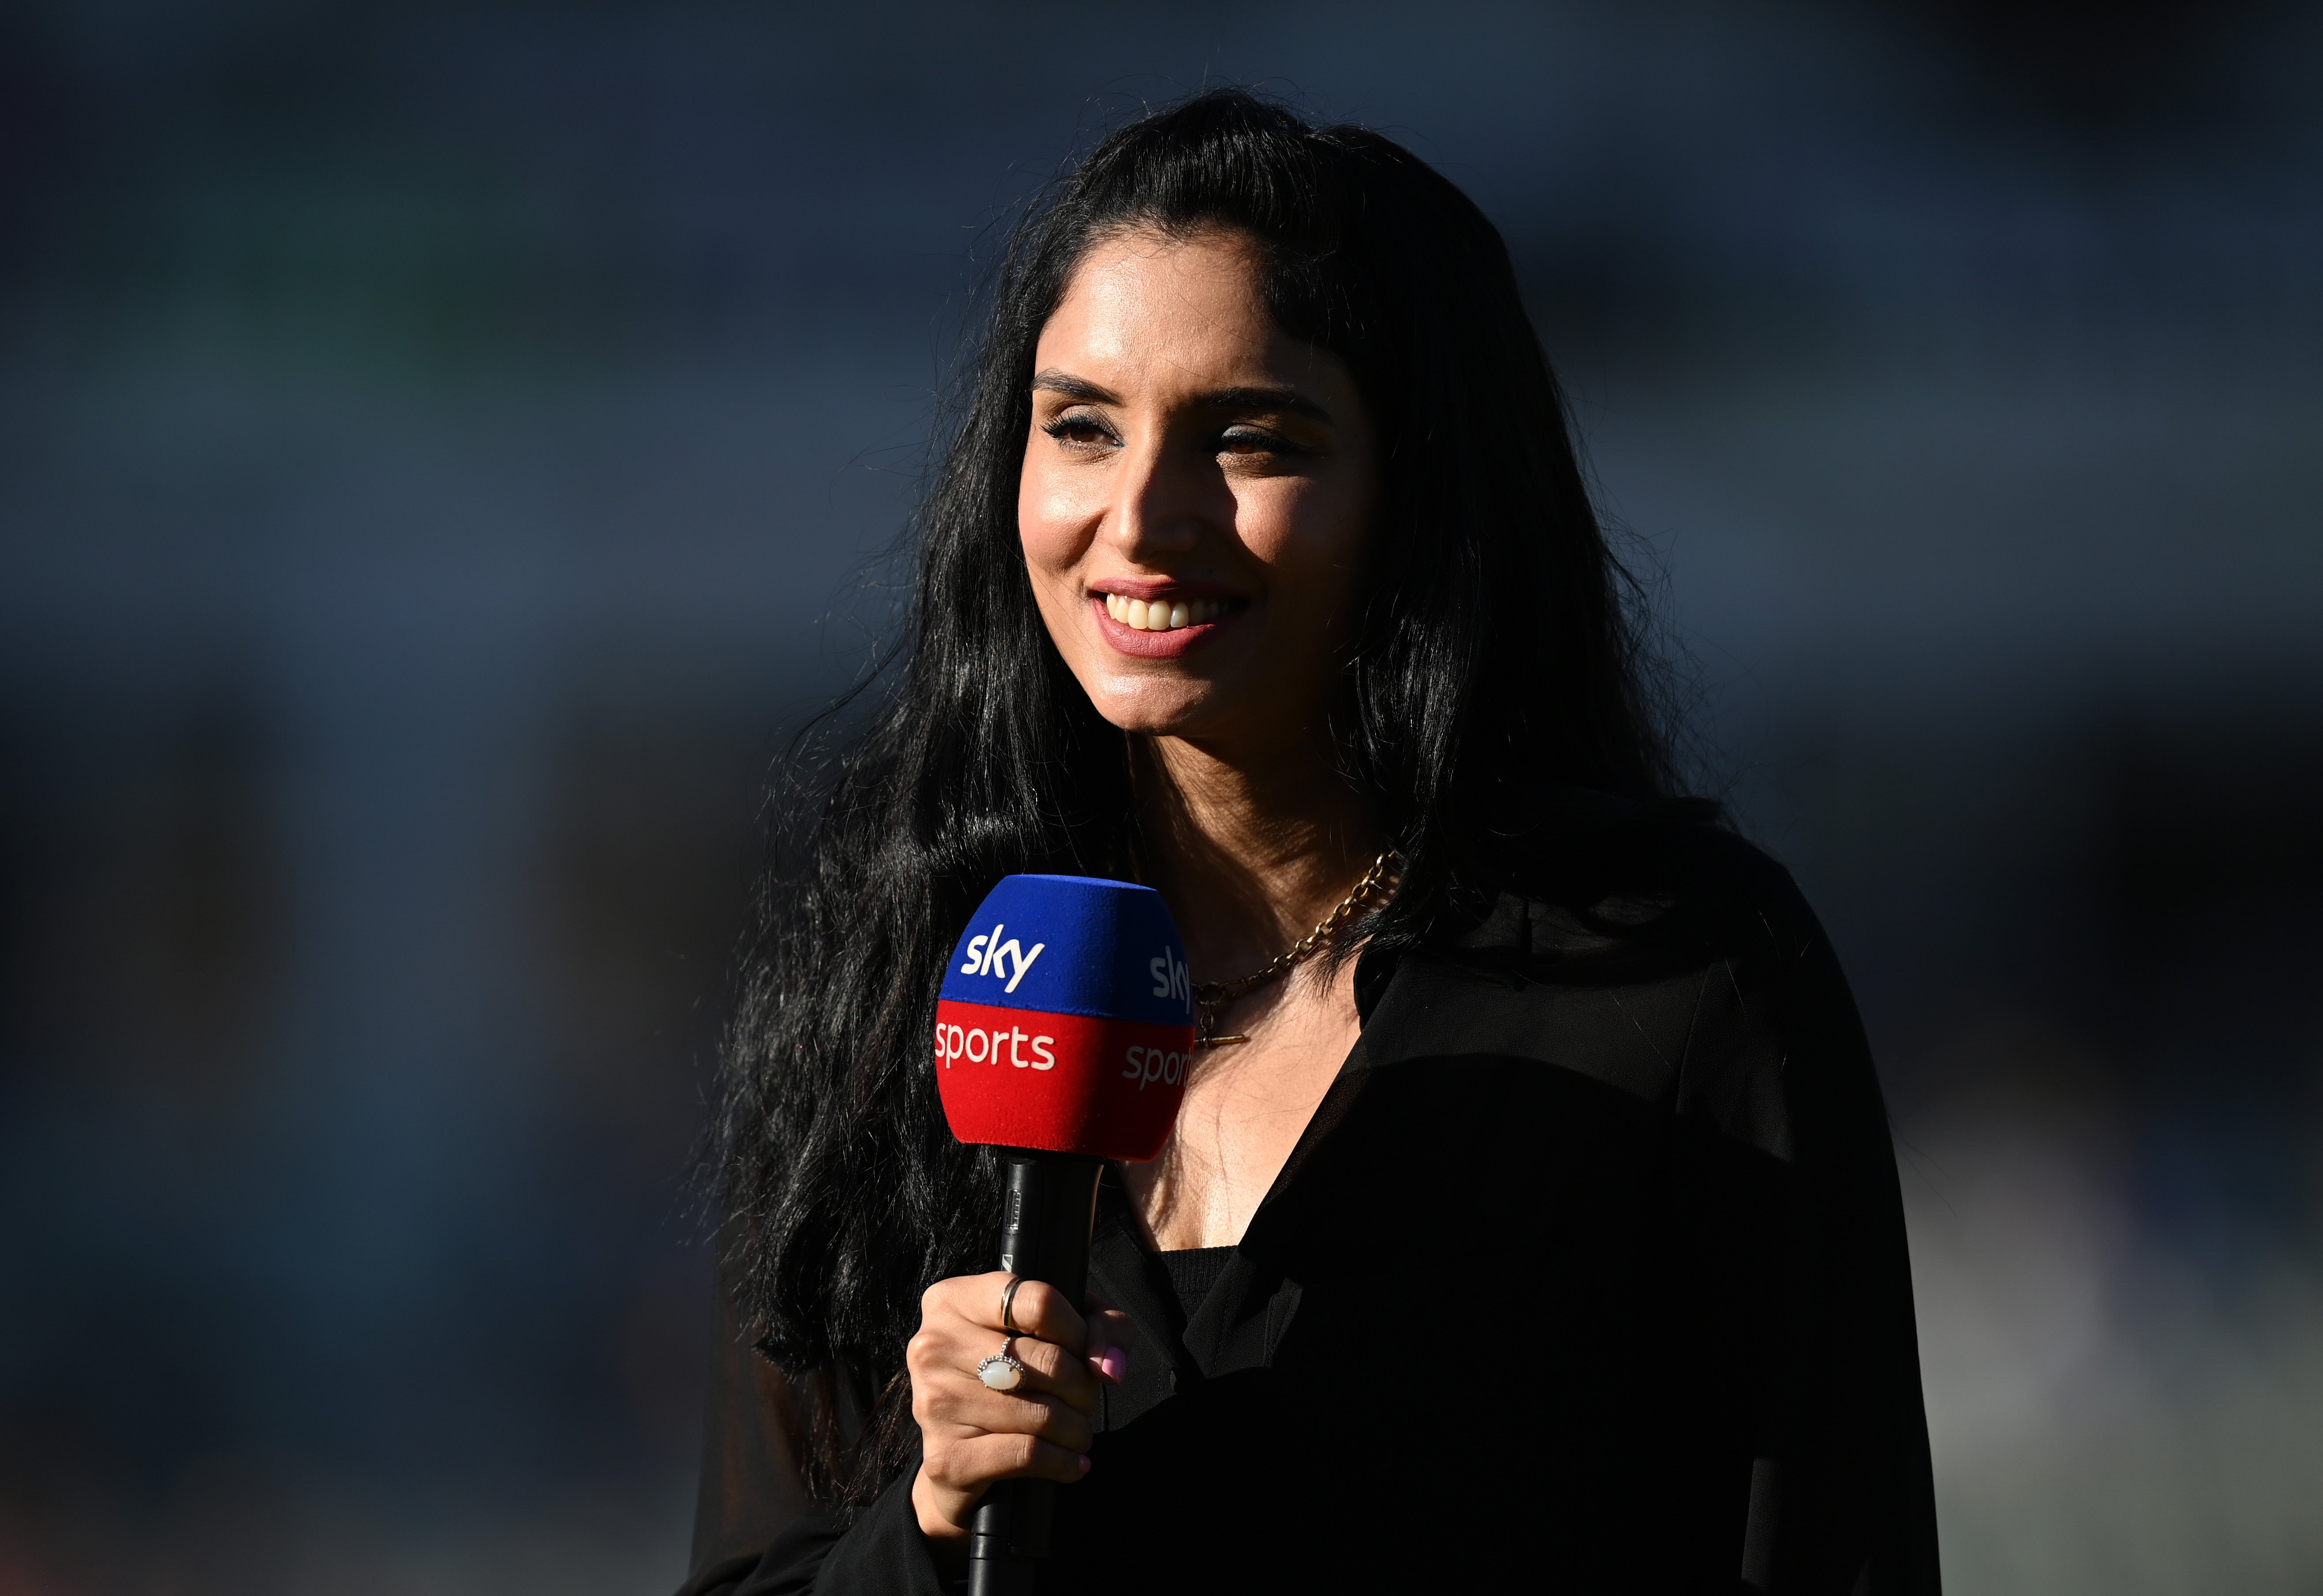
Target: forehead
(1143,303)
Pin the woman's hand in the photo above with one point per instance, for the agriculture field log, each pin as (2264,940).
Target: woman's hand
(972,1434)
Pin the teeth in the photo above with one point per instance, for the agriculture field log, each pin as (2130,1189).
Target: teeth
(1162,615)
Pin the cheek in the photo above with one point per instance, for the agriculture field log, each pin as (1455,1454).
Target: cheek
(1318,535)
(1047,523)
(1310,533)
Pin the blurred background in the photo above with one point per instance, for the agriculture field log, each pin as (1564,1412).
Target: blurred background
(444,449)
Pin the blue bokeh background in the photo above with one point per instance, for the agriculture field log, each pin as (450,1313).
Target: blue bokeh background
(444,449)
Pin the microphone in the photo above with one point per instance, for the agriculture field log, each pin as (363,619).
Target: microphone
(1064,1033)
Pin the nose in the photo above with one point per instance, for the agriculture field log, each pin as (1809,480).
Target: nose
(1162,501)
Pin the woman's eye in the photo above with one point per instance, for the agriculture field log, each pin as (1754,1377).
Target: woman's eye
(1245,440)
(1078,429)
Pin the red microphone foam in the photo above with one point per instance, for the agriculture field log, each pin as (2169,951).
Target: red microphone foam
(1066,1021)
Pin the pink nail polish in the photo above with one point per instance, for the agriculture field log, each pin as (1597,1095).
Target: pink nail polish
(1114,1365)
(1085,1465)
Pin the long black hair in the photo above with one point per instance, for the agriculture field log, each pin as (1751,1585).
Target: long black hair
(1498,657)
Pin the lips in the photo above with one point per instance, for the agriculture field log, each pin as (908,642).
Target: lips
(1188,616)
(1162,615)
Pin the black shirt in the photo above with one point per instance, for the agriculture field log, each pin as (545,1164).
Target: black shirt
(1192,1271)
(1588,1274)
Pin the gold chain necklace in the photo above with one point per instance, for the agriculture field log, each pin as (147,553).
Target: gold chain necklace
(1210,997)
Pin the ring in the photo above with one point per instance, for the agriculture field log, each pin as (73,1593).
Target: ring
(1001,1371)
(1007,1302)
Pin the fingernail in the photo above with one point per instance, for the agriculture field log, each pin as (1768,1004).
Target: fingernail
(1085,1463)
(1114,1365)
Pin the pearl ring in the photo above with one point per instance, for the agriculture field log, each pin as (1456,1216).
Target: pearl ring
(1001,1371)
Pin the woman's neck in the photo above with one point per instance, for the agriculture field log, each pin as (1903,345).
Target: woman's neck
(1249,851)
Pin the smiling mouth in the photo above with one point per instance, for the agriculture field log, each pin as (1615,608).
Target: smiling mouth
(1167,615)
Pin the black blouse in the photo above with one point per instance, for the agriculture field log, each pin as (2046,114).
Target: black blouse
(1589,1272)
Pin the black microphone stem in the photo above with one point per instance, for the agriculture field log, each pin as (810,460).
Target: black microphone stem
(1047,1209)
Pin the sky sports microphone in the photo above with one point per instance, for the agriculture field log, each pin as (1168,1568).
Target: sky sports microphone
(1064,1031)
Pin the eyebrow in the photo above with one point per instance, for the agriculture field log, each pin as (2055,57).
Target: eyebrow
(1071,387)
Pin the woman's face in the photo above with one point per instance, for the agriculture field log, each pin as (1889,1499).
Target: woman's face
(1197,493)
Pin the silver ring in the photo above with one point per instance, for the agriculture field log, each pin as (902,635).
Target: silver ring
(1001,1371)
(1009,1304)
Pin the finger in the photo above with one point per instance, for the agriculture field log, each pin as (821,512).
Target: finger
(1041,1310)
(1051,1374)
(1047,1367)
(1108,1323)
(1060,1427)
(968,1465)
(1012,1413)
(1050,1368)
(955,1474)
(1038,1310)
(1108,1327)
(953,1363)
(1121,1330)
(1111,1334)
(971,1299)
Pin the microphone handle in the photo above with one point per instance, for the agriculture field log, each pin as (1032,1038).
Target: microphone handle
(1047,1209)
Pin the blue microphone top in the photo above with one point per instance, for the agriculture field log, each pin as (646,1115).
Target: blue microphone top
(1074,945)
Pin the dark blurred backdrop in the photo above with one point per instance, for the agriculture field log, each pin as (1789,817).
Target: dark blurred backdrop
(443,449)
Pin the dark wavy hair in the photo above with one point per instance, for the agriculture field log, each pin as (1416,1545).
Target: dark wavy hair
(1498,657)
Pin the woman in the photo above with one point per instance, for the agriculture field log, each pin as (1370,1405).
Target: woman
(1534,1220)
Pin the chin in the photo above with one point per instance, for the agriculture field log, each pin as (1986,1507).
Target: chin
(1143,723)
(1151,713)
